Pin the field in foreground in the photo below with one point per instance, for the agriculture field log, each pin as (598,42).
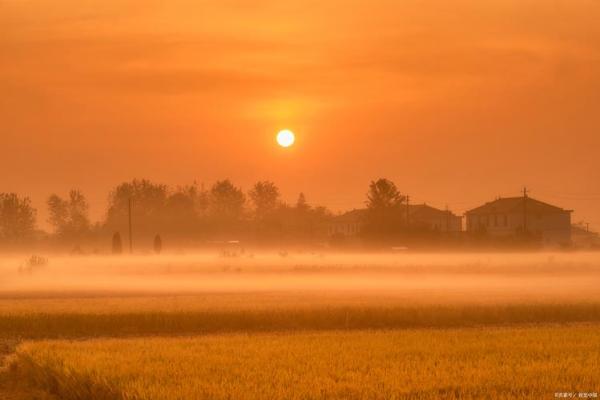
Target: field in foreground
(523,362)
(307,316)
(300,327)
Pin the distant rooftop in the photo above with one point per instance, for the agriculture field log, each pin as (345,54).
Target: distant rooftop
(415,210)
(516,204)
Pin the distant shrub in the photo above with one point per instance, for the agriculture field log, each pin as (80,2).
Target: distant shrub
(32,263)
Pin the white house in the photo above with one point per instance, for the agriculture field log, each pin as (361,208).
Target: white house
(347,224)
(510,216)
(419,215)
(434,219)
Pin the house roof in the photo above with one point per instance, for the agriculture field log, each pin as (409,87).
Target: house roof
(351,216)
(516,204)
(420,211)
(425,211)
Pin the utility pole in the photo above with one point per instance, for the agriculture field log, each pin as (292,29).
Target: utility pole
(447,219)
(524,209)
(407,210)
(130,230)
(587,227)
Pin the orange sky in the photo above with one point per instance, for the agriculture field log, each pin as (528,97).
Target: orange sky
(457,102)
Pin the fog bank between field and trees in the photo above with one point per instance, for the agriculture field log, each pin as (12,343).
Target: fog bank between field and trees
(414,277)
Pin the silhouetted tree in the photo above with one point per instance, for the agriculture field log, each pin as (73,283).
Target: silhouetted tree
(202,201)
(302,222)
(301,204)
(265,198)
(226,201)
(69,218)
(192,213)
(383,195)
(148,200)
(17,218)
(385,217)
(58,213)
(182,210)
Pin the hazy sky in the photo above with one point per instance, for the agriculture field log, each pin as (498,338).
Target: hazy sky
(456,101)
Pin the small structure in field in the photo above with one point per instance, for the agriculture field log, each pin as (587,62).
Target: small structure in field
(117,244)
(157,244)
(583,237)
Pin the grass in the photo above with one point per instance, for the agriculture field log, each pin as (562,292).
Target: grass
(145,323)
(500,363)
(348,327)
(11,389)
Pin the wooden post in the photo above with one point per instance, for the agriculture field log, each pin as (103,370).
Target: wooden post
(130,230)
(524,209)
(407,210)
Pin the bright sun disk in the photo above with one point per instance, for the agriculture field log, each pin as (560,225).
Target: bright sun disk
(285,138)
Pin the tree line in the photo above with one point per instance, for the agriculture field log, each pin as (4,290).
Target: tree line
(193,215)
(186,213)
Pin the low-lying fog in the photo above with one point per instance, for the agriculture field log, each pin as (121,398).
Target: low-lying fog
(452,277)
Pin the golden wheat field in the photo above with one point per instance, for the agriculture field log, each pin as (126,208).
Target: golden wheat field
(303,326)
(527,362)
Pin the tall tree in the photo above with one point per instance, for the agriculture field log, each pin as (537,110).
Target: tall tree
(182,210)
(17,217)
(69,217)
(181,203)
(383,195)
(79,211)
(265,198)
(384,218)
(301,204)
(302,221)
(226,201)
(148,201)
(58,213)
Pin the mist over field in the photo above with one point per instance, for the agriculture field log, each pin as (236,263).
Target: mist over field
(413,277)
(106,327)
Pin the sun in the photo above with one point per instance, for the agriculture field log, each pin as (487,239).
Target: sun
(286,138)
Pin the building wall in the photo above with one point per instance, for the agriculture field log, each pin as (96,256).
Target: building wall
(495,224)
(553,227)
(452,223)
(345,228)
(350,228)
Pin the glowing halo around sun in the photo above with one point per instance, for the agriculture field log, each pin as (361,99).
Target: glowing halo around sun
(286,138)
